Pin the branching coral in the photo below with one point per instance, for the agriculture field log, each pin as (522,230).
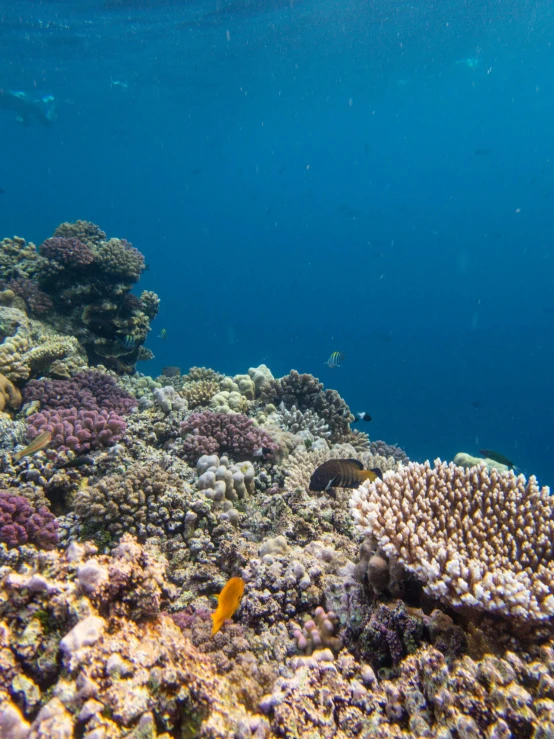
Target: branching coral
(474,538)
(21,523)
(305,392)
(298,422)
(222,433)
(66,252)
(146,501)
(89,390)
(200,392)
(77,430)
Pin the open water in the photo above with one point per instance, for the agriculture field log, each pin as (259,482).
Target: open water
(311,176)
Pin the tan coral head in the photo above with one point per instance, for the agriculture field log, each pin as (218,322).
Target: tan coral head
(9,394)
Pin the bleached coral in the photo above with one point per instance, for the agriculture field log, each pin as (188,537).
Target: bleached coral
(473,537)
(219,479)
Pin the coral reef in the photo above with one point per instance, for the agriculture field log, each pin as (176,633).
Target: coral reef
(317,633)
(21,523)
(218,433)
(474,538)
(79,282)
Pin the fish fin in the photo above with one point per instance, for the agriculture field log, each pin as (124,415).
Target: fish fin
(217,624)
(372,475)
(355,462)
(377,472)
(330,483)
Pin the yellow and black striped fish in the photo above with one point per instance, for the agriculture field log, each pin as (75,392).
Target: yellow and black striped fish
(342,473)
(335,359)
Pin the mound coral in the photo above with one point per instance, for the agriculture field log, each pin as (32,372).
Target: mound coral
(9,394)
(223,433)
(474,538)
(317,633)
(21,523)
(66,252)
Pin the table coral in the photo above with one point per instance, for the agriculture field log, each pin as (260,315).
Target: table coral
(474,538)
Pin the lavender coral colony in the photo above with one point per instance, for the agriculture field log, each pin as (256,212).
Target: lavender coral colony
(166,570)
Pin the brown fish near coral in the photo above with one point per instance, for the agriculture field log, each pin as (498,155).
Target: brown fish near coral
(341,473)
(227,602)
(40,442)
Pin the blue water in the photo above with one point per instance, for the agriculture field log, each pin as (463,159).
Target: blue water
(309,177)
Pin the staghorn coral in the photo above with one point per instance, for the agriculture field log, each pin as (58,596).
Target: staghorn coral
(20,522)
(146,501)
(216,433)
(474,538)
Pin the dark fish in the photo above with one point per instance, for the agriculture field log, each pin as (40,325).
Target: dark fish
(341,473)
(476,403)
(102,328)
(363,416)
(171,371)
(496,457)
(76,462)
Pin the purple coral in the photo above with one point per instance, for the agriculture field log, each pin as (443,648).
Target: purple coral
(224,433)
(37,301)
(69,252)
(21,523)
(89,390)
(78,430)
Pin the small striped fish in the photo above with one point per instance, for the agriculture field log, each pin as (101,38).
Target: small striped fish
(335,359)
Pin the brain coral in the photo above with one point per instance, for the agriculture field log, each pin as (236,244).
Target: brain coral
(473,537)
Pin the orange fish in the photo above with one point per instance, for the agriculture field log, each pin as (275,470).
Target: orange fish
(39,442)
(227,602)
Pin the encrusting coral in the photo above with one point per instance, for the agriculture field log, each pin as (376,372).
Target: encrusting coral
(474,538)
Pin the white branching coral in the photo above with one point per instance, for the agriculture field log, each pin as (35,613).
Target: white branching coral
(299,422)
(473,537)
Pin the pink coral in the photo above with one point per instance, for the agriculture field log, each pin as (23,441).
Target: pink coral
(69,252)
(89,390)
(21,523)
(37,301)
(78,430)
(224,433)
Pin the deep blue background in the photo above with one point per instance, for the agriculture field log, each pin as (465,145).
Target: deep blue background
(306,177)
